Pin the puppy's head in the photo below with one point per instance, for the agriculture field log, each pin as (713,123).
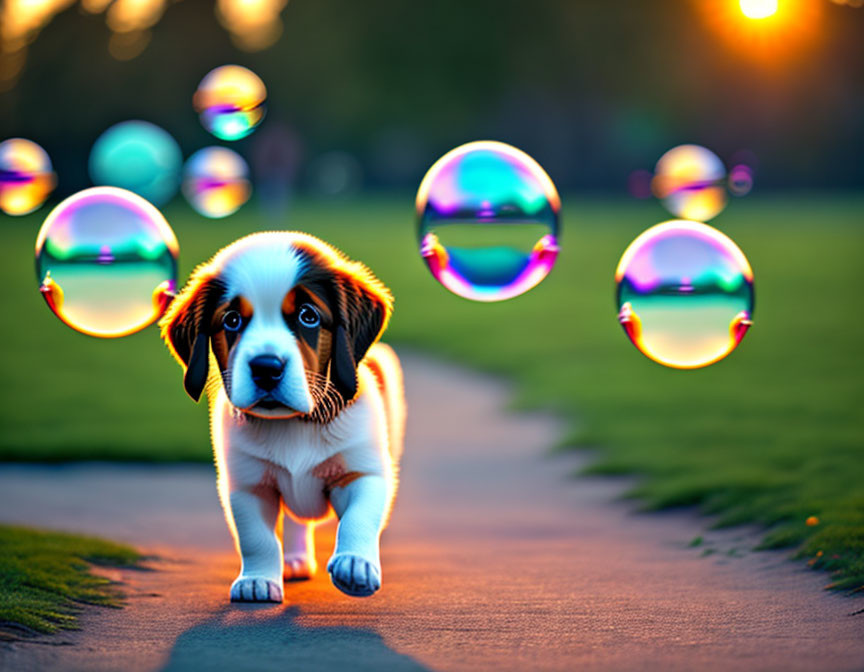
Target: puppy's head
(283,320)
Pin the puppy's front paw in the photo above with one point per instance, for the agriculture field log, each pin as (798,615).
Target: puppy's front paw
(250,589)
(354,575)
(298,567)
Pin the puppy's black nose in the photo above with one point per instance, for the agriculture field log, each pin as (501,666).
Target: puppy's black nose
(267,371)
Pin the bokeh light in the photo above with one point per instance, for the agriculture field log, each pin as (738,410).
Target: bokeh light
(758,9)
(230,102)
(690,181)
(138,156)
(20,23)
(216,182)
(685,294)
(253,24)
(488,221)
(26,176)
(106,262)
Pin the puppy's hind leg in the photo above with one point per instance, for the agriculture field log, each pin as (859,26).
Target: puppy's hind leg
(299,550)
(255,517)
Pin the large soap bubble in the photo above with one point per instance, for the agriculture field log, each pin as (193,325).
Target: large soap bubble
(26,176)
(230,101)
(138,156)
(691,182)
(216,182)
(106,262)
(685,294)
(488,221)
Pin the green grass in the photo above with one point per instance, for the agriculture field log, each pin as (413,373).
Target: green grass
(45,578)
(771,435)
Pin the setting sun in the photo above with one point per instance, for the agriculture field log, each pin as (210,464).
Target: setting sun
(758,9)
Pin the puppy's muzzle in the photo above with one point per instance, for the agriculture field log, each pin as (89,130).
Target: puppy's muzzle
(267,371)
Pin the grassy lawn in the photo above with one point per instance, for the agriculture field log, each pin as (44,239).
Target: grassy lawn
(773,435)
(45,578)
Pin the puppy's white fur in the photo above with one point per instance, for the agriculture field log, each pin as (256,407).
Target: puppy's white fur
(287,464)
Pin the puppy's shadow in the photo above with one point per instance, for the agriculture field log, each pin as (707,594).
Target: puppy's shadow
(261,642)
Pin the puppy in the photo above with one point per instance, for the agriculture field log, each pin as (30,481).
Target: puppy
(307,410)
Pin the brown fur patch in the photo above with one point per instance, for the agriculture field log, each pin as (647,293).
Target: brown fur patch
(345,479)
(334,472)
(288,303)
(220,340)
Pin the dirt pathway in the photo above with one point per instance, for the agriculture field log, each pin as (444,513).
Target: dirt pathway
(495,560)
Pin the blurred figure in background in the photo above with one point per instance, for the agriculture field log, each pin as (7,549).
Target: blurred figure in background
(276,154)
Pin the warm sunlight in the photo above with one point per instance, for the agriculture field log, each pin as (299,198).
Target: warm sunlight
(758,9)
(767,32)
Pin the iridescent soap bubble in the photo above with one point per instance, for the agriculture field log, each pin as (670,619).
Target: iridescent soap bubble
(138,156)
(230,102)
(685,294)
(488,221)
(216,181)
(26,176)
(691,182)
(740,180)
(106,262)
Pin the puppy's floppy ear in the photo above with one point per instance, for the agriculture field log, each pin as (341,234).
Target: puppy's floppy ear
(186,327)
(363,307)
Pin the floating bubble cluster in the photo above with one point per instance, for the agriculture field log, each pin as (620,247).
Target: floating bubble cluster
(26,176)
(685,294)
(230,102)
(216,182)
(138,156)
(691,182)
(488,221)
(106,262)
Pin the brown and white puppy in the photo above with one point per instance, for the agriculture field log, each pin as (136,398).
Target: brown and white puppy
(307,409)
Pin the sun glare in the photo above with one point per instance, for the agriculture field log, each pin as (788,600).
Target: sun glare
(771,33)
(758,9)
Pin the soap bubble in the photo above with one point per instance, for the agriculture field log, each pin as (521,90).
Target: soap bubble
(138,156)
(741,180)
(230,102)
(216,181)
(685,294)
(691,182)
(106,261)
(26,176)
(488,221)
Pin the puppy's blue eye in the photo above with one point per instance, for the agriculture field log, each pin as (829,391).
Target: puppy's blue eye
(232,320)
(308,316)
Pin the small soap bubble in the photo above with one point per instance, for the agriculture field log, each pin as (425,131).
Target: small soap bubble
(230,102)
(488,221)
(690,181)
(140,157)
(216,182)
(685,294)
(26,176)
(740,180)
(106,262)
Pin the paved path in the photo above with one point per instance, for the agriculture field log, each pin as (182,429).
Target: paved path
(495,560)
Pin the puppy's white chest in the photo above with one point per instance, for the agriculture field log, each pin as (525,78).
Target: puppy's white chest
(303,458)
(303,495)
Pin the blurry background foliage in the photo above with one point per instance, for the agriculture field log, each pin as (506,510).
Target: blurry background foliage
(592,89)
